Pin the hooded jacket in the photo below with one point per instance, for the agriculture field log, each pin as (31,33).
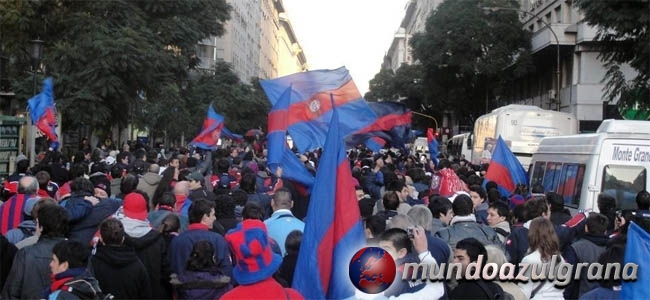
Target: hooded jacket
(81,286)
(84,230)
(148,184)
(121,273)
(152,251)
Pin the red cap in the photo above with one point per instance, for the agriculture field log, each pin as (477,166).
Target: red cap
(135,206)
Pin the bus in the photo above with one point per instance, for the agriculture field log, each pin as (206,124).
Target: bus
(522,127)
(459,146)
(615,160)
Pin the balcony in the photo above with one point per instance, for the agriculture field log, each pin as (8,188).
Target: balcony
(544,37)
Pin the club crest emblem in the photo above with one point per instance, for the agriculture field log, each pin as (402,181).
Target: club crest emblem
(314,105)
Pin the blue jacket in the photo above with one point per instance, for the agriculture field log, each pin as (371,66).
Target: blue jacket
(181,248)
(280,224)
(84,230)
(77,207)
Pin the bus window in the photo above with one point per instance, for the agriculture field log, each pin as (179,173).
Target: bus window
(623,183)
(571,184)
(537,175)
(552,176)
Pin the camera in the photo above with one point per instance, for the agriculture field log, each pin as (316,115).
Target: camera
(409,231)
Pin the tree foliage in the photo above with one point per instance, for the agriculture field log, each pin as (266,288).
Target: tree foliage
(111,59)
(623,35)
(467,53)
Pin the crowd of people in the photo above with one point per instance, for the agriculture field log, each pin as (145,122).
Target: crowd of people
(152,224)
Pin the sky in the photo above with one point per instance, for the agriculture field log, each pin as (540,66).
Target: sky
(353,33)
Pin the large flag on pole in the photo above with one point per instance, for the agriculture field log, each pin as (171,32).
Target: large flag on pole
(505,169)
(310,108)
(392,127)
(279,154)
(211,131)
(636,251)
(42,111)
(333,230)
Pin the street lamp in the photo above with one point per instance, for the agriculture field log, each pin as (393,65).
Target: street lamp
(557,44)
(427,116)
(37,55)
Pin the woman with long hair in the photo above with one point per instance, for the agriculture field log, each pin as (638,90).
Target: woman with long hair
(543,246)
(169,178)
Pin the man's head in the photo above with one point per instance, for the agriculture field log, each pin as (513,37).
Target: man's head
(67,255)
(606,204)
(182,188)
(52,221)
(154,168)
(537,207)
(202,211)
(463,205)
(390,200)
(396,242)
(374,226)
(112,232)
(497,212)
(478,195)
(596,224)
(282,199)
(28,185)
(175,162)
(421,216)
(440,208)
(556,201)
(643,200)
(194,180)
(467,251)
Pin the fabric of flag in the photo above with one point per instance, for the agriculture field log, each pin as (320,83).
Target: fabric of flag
(432,142)
(310,108)
(233,136)
(393,126)
(505,169)
(211,131)
(636,251)
(333,230)
(279,154)
(42,111)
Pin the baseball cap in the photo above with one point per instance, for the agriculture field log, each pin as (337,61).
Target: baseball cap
(196,175)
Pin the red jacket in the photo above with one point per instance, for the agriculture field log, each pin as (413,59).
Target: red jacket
(265,289)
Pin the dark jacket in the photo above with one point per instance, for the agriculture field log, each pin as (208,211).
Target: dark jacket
(181,248)
(560,217)
(584,250)
(30,273)
(201,285)
(438,248)
(476,289)
(517,242)
(288,267)
(466,229)
(82,286)
(77,207)
(202,193)
(7,254)
(400,286)
(84,230)
(121,273)
(152,251)
(263,200)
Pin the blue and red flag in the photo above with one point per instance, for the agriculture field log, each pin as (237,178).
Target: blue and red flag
(233,136)
(42,111)
(310,108)
(432,142)
(636,251)
(333,230)
(279,154)
(505,169)
(211,131)
(393,126)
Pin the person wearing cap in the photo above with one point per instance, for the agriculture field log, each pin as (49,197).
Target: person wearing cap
(255,264)
(201,218)
(148,243)
(197,190)
(11,211)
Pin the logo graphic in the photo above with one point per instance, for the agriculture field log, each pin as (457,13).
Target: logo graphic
(314,105)
(372,270)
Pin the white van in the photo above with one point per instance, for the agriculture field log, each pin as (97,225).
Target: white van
(460,145)
(614,160)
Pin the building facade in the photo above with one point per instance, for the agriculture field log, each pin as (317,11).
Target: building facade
(560,33)
(254,41)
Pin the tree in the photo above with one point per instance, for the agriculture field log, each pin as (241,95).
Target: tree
(465,52)
(623,39)
(111,59)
